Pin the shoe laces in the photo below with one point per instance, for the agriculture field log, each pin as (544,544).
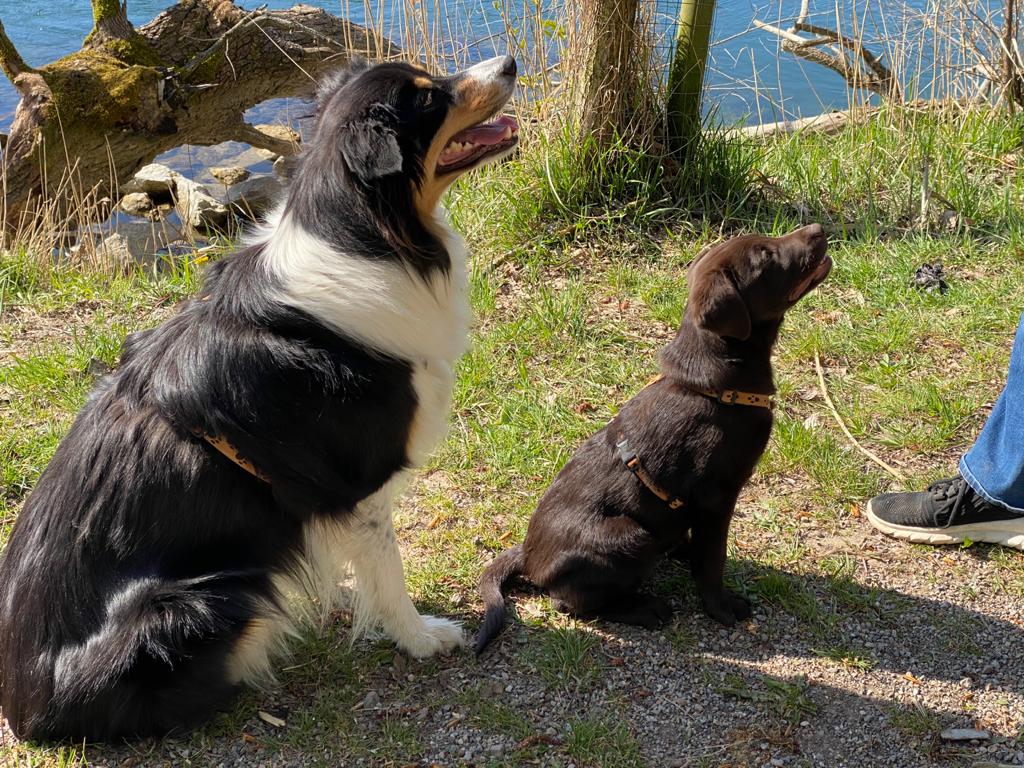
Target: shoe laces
(949,494)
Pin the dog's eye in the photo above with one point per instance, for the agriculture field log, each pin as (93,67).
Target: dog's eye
(427,99)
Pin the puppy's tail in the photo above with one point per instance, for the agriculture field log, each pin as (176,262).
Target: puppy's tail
(506,565)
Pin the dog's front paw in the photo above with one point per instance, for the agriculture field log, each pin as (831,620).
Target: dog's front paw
(727,607)
(432,637)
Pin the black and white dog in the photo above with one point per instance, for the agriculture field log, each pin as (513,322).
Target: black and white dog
(249,449)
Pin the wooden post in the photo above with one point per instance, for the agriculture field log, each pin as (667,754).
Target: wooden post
(686,76)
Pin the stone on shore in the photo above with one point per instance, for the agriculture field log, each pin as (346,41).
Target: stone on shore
(281,132)
(198,208)
(230,175)
(154,180)
(136,204)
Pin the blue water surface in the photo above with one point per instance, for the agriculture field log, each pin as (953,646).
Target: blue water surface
(749,79)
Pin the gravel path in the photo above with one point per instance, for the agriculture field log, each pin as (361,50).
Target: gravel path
(933,639)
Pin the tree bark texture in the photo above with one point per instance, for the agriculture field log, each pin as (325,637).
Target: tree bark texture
(89,121)
(608,62)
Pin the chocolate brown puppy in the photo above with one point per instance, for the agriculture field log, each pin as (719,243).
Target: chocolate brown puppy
(662,478)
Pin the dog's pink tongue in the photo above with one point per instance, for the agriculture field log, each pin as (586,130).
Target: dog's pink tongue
(490,133)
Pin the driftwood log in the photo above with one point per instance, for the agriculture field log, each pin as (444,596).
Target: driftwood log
(88,121)
(842,54)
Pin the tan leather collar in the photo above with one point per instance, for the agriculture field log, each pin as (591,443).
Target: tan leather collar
(231,452)
(735,397)
(730,396)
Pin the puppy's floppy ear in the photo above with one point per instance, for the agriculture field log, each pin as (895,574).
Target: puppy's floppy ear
(370,145)
(719,307)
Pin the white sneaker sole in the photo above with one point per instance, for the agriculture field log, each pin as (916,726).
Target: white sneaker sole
(1008,533)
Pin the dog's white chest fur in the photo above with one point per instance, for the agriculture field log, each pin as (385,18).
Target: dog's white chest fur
(423,321)
(386,306)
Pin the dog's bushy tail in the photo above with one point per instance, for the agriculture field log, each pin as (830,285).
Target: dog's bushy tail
(155,665)
(506,565)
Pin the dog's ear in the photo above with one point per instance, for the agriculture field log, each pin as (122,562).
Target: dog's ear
(719,307)
(334,81)
(370,145)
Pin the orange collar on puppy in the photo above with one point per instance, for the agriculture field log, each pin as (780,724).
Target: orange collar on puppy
(231,452)
(730,396)
(735,397)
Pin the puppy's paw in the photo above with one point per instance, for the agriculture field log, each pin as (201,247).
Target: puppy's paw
(727,608)
(656,613)
(434,636)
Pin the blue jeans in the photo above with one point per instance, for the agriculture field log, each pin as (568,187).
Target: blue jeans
(994,466)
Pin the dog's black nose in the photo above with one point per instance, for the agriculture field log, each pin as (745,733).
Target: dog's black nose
(508,67)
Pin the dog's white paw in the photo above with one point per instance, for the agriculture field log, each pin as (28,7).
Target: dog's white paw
(434,636)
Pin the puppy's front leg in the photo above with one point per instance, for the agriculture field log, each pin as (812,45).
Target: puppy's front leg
(381,596)
(707,563)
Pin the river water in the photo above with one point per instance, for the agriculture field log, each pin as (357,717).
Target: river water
(749,79)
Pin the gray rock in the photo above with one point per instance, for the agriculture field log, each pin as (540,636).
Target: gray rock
(136,204)
(256,196)
(370,701)
(230,175)
(154,180)
(197,207)
(963,734)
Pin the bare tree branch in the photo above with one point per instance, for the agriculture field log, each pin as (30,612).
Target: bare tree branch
(10,60)
(864,70)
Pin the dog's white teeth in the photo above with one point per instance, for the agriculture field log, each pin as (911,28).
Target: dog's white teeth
(508,132)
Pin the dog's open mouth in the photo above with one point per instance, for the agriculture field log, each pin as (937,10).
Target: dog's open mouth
(812,278)
(473,144)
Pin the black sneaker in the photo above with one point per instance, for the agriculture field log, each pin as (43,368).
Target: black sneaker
(947,513)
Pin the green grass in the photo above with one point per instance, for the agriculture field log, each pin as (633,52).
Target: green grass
(567,657)
(918,724)
(579,276)
(599,743)
(789,700)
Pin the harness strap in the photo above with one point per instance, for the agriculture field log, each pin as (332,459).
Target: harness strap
(633,464)
(228,450)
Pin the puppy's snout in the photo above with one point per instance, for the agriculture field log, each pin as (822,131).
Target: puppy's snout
(813,232)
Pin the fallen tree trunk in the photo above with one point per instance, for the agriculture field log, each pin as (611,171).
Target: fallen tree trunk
(89,121)
(843,55)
